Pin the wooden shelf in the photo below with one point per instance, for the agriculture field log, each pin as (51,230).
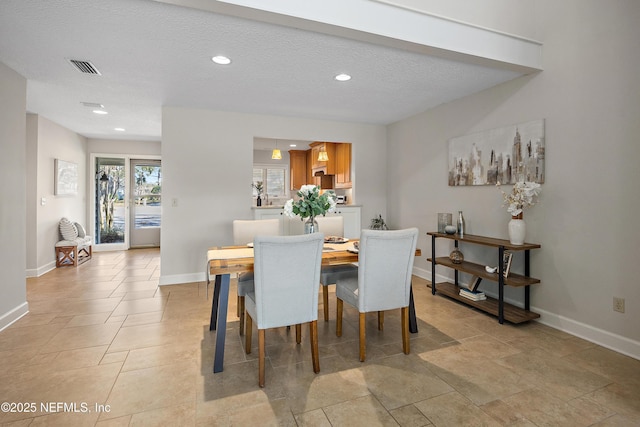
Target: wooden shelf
(497,307)
(486,241)
(512,313)
(513,279)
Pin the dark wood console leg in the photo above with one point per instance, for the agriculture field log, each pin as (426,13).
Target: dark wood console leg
(501,284)
(433,265)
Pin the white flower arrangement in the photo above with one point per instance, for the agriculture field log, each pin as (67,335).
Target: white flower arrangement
(523,195)
(311,203)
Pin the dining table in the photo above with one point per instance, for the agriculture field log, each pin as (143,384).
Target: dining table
(222,261)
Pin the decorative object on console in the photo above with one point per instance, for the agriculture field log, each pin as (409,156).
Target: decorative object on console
(259,187)
(310,205)
(461,227)
(508,154)
(444,219)
(506,263)
(523,195)
(456,256)
(450,229)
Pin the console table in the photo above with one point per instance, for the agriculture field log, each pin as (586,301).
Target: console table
(495,307)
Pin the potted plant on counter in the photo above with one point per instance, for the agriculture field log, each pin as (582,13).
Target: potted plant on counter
(259,187)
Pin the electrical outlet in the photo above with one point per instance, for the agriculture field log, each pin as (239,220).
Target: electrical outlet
(618,304)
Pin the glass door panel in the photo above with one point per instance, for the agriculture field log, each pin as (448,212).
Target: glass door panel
(146,203)
(110,201)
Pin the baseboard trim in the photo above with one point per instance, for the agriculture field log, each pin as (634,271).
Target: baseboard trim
(590,333)
(37,272)
(13,316)
(176,279)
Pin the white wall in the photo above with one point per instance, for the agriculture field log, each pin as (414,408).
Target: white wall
(117,146)
(13,291)
(588,95)
(207,161)
(51,141)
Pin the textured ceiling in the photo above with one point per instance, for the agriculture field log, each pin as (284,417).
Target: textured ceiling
(152,54)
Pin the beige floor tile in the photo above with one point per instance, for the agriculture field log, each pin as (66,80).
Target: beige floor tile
(558,377)
(152,388)
(409,416)
(541,408)
(179,415)
(149,357)
(453,409)
(315,418)
(362,411)
(82,337)
(88,319)
(138,306)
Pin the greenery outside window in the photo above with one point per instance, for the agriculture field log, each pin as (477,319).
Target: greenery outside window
(273,178)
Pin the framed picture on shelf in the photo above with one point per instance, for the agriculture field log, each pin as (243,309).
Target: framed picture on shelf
(506,263)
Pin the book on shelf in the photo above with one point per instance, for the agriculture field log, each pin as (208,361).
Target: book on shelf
(472,295)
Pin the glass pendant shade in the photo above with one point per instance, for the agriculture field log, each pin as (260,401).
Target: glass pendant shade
(276,155)
(323,157)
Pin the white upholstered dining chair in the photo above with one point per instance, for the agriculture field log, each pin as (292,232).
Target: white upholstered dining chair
(383,281)
(332,226)
(287,278)
(244,231)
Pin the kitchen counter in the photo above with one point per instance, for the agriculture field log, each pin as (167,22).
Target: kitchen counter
(282,206)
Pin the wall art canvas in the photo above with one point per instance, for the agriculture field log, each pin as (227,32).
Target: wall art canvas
(66,178)
(506,155)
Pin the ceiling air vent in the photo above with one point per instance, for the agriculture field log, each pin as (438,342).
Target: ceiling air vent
(85,67)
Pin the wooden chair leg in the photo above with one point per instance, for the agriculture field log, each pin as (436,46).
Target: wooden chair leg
(363,343)
(238,307)
(298,333)
(404,312)
(339,304)
(381,320)
(325,302)
(241,313)
(247,337)
(313,334)
(261,356)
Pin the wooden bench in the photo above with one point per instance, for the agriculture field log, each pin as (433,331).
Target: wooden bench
(75,247)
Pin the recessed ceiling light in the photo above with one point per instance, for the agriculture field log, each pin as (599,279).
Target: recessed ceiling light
(292,145)
(119,129)
(100,112)
(343,77)
(221,60)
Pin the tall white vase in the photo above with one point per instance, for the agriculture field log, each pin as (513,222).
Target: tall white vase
(517,230)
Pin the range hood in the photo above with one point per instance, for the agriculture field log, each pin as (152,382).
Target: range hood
(324,181)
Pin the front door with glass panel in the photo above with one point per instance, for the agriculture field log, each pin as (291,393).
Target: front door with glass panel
(110,224)
(145,202)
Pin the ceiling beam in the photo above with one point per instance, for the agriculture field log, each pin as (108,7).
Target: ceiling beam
(388,24)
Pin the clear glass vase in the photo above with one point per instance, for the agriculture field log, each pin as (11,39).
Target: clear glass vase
(311,225)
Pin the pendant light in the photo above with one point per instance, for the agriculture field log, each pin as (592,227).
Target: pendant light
(275,154)
(323,156)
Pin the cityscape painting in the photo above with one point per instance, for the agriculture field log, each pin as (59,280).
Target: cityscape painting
(506,155)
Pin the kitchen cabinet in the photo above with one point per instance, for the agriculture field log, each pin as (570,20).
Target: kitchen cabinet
(298,168)
(295,226)
(343,166)
(327,167)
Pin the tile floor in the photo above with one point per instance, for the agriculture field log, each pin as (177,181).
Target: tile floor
(116,349)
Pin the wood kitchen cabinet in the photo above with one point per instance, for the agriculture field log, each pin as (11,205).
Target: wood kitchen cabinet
(328,167)
(298,168)
(343,165)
